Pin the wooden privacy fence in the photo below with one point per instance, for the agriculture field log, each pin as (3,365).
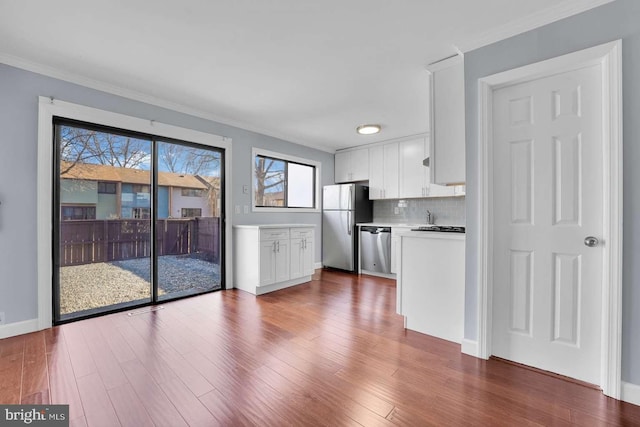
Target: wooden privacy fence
(91,241)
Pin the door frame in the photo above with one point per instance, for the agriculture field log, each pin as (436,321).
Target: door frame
(609,55)
(48,108)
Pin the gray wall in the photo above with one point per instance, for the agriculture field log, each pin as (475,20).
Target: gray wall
(617,20)
(19,91)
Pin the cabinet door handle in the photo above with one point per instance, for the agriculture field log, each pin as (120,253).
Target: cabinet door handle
(278,246)
(274,246)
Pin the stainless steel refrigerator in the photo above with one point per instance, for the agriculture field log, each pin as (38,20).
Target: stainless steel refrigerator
(343,206)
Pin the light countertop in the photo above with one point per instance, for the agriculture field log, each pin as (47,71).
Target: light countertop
(274,226)
(433,235)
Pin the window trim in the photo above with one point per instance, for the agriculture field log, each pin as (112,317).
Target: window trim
(266,153)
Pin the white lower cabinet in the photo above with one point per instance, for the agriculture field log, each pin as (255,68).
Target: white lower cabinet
(302,263)
(268,258)
(395,246)
(430,286)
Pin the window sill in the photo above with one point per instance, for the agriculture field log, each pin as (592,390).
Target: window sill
(288,210)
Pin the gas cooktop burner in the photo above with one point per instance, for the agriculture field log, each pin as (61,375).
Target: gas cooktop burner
(441,228)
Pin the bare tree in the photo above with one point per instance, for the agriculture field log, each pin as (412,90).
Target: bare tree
(194,161)
(74,143)
(268,175)
(78,145)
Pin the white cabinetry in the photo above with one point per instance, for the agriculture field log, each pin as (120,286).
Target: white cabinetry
(414,177)
(274,255)
(415,180)
(431,283)
(267,258)
(395,246)
(302,263)
(447,159)
(383,171)
(351,165)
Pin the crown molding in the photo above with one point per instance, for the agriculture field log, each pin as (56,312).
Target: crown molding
(56,73)
(547,16)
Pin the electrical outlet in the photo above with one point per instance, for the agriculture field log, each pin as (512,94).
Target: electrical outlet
(246,209)
(2,318)
(237,209)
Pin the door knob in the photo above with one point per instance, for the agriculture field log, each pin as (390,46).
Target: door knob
(591,241)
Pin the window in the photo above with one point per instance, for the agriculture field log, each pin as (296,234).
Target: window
(140,188)
(71,213)
(106,187)
(141,213)
(284,182)
(191,212)
(191,192)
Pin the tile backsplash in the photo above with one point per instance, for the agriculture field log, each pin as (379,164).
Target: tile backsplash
(447,210)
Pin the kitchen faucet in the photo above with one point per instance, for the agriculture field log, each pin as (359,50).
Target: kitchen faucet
(430,217)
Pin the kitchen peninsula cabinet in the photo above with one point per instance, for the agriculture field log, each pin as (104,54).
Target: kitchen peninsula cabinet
(267,258)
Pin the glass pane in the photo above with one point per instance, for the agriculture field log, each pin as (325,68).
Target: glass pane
(301,187)
(104,224)
(269,181)
(188,227)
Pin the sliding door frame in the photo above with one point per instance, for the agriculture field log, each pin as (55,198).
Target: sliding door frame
(46,199)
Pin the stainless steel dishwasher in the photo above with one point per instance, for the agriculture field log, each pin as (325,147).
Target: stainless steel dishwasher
(375,249)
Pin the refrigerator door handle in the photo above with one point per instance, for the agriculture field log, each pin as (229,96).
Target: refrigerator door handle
(349,223)
(350,205)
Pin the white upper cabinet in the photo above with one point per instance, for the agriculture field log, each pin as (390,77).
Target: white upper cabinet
(383,171)
(352,165)
(447,158)
(414,176)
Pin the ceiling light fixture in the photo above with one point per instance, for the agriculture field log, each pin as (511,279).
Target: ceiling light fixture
(368,129)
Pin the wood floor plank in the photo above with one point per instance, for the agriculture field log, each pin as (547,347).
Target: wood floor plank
(35,375)
(158,406)
(11,378)
(329,352)
(97,406)
(129,409)
(104,359)
(63,388)
(191,409)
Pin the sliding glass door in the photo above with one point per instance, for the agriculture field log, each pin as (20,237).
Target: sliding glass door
(137,220)
(188,222)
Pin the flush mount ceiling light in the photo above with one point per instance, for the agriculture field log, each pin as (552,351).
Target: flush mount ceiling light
(368,129)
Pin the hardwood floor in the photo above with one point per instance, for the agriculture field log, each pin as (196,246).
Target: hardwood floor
(331,352)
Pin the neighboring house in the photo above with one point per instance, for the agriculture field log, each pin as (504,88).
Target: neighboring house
(91,191)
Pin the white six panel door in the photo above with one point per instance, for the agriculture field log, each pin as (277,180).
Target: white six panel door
(547,197)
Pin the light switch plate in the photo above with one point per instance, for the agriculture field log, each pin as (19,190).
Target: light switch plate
(237,209)
(245,189)
(246,209)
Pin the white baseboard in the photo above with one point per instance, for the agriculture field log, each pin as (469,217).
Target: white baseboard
(469,347)
(318,265)
(631,393)
(18,328)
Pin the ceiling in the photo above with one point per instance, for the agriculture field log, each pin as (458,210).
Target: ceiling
(301,70)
